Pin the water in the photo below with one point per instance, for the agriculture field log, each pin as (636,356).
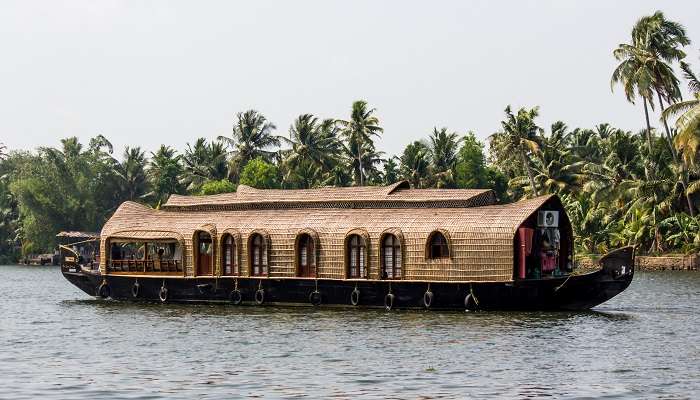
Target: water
(59,343)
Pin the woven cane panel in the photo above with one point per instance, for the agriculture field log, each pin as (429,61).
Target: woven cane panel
(398,195)
(480,238)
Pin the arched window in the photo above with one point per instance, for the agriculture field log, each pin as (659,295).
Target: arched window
(306,257)
(258,256)
(357,257)
(438,246)
(391,257)
(230,261)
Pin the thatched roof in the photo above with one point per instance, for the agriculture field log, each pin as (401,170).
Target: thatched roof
(481,238)
(396,195)
(507,217)
(78,235)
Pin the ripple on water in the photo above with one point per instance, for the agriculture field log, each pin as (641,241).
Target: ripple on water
(66,345)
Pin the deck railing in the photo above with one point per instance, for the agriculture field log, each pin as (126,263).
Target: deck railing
(145,266)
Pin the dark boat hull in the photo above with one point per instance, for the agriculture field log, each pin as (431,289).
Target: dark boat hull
(575,292)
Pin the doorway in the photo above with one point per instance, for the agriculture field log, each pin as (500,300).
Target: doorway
(204,254)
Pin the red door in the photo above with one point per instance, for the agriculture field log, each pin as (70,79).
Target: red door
(204,254)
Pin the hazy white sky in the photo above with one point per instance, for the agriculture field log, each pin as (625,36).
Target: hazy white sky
(151,72)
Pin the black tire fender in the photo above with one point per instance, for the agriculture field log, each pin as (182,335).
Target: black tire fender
(389,301)
(470,304)
(104,290)
(235,297)
(428,299)
(355,297)
(315,298)
(163,294)
(260,296)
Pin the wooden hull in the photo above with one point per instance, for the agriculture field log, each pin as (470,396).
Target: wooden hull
(575,292)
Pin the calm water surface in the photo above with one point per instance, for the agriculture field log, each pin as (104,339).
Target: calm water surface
(59,343)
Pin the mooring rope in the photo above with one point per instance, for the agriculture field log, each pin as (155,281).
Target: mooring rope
(81,242)
(471,291)
(556,289)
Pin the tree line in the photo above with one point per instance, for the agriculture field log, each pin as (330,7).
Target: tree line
(619,187)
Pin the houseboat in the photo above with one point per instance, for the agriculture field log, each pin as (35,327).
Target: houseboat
(385,247)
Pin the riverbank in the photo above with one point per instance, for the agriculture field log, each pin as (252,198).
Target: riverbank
(672,262)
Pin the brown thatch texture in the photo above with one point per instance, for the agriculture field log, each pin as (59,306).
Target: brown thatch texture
(396,195)
(480,238)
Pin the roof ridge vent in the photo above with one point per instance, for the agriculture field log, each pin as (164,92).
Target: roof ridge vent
(404,184)
(245,189)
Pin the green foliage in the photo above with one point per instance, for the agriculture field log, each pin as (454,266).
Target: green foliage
(202,162)
(415,161)
(66,189)
(472,172)
(359,130)
(251,138)
(216,187)
(164,172)
(260,174)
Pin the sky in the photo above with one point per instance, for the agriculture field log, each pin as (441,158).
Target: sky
(145,73)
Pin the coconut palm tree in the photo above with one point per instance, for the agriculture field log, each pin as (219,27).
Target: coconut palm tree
(622,162)
(518,140)
(359,130)
(313,144)
(556,168)
(132,174)
(363,160)
(391,171)
(687,139)
(164,170)
(415,162)
(203,162)
(251,138)
(636,76)
(661,39)
(443,148)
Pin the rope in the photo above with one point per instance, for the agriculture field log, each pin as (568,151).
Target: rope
(69,249)
(556,289)
(389,288)
(81,242)
(471,291)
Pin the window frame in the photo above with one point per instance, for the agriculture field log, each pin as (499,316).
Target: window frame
(306,246)
(359,252)
(445,250)
(396,247)
(261,247)
(229,250)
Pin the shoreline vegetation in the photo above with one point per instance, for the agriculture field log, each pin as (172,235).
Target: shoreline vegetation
(619,187)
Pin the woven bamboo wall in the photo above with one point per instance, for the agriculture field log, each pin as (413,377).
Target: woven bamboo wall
(480,238)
